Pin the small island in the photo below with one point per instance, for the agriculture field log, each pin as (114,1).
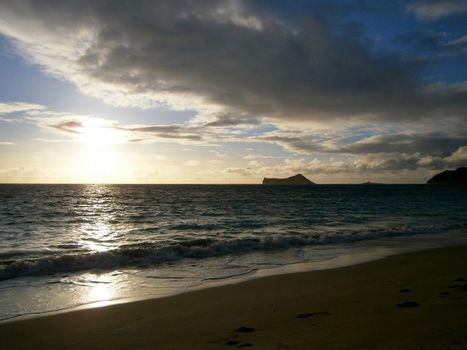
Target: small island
(298,179)
(450,177)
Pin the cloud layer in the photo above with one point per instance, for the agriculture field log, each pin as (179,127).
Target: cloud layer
(315,83)
(235,55)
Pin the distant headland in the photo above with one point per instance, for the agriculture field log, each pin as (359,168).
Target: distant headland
(450,177)
(298,179)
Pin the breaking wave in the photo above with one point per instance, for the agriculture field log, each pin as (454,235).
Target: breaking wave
(152,253)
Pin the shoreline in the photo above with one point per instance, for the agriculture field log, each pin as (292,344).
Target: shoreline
(283,309)
(350,254)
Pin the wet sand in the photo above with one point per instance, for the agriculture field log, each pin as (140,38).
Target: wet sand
(409,301)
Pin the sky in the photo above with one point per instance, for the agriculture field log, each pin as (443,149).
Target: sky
(231,91)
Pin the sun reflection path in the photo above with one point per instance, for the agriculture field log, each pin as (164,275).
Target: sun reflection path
(97,234)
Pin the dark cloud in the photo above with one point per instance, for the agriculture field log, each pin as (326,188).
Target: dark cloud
(175,132)
(226,120)
(433,144)
(439,42)
(422,40)
(234,54)
(301,144)
(156,128)
(436,144)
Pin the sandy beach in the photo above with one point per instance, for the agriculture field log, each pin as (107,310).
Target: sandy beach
(409,301)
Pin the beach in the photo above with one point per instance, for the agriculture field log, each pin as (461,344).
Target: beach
(408,301)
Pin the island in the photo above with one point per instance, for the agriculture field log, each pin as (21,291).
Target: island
(450,177)
(298,179)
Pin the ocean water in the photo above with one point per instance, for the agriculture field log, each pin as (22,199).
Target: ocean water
(62,246)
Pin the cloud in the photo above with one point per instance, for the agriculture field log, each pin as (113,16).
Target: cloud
(459,44)
(160,157)
(191,163)
(239,171)
(6,143)
(294,140)
(72,126)
(435,10)
(226,120)
(308,142)
(9,110)
(357,166)
(218,154)
(14,107)
(431,143)
(455,160)
(422,39)
(233,56)
(440,42)
(460,41)
(19,174)
(174,132)
(258,156)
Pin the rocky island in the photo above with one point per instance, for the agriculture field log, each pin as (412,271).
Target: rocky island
(298,179)
(450,177)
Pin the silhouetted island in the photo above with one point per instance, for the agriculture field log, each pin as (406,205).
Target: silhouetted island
(298,179)
(371,183)
(450,177)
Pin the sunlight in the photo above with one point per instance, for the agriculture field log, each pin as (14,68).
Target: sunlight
(100,292)
(99,132)
(100,289)
(98,162)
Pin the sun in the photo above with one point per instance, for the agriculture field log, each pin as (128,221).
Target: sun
(100,132)
(99,160)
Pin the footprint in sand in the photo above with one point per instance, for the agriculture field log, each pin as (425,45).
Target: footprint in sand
(237,344)
(310,314)
(408,304)
(244,329)
(462,288)
(231,342)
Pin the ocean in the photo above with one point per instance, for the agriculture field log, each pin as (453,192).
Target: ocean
(68,246)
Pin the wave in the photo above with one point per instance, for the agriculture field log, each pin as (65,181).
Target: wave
(147,254)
